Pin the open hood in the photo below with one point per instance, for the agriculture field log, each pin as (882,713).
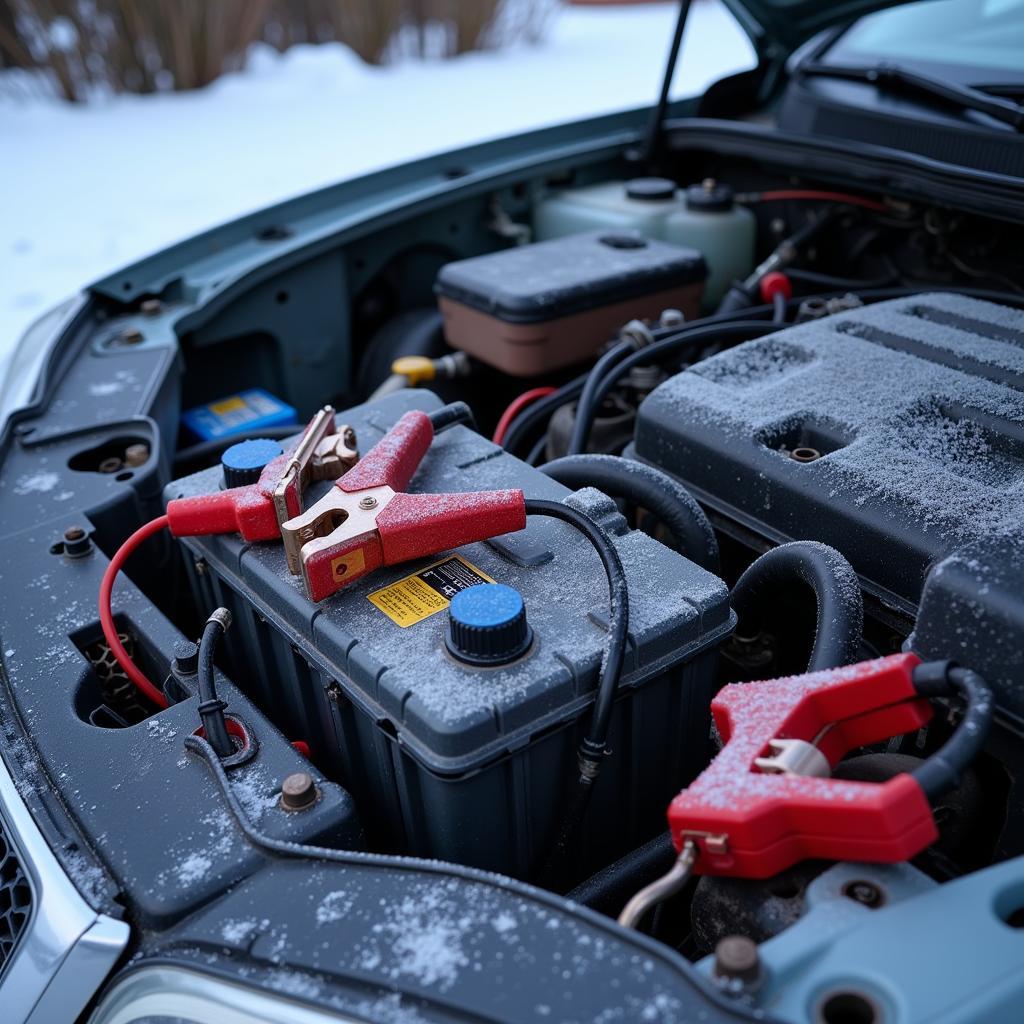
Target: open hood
(787,24)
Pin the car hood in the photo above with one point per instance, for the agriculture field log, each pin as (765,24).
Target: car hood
(784,25)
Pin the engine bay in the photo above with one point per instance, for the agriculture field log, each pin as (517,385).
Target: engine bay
(655,542)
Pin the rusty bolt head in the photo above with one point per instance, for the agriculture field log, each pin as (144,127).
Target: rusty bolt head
(74,533)
(131,336)
(736,959)
(298,792)
(110,465)
(865,893)
(151,307)
(367,502)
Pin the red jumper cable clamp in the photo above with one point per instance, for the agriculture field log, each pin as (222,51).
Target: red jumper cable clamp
(367,520)
(258,511)
(767,800)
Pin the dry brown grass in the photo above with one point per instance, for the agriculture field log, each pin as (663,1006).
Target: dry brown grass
(87,46)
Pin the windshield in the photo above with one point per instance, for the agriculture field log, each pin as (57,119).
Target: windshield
(984,38)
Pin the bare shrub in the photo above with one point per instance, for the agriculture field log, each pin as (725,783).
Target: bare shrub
(85,47)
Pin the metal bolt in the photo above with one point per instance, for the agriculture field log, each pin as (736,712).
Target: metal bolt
(110,465)
(736,959)
(298,792)
(867,894)
(76,542)
(805,454)
(131,336)
(151,307)
(136,454)
(367,502)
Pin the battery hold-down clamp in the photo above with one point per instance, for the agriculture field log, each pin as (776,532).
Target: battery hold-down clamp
(767,800)
(366,520)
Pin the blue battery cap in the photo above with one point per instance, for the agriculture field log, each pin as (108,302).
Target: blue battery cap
(243,462)
(245,412)
(487,625)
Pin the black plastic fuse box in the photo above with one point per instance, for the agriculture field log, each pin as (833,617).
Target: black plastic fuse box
(474,764)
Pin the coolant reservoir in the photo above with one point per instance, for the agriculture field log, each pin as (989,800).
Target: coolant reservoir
(705,217)
(643,205)
(709,220)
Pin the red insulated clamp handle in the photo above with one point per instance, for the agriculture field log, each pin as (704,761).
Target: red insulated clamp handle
(393,460)
(417,525)
(246,510)
(751,824)
(414,526)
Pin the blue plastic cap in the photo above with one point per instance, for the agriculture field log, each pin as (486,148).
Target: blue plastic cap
(487,625)
(243,462)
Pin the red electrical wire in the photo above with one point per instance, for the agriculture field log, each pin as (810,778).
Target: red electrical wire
(516,406)
(134,673)
(808,193)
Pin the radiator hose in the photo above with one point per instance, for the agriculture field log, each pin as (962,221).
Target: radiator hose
(654,490)
(836,587)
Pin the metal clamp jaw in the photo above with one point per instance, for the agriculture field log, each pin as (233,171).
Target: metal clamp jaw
(368,520)
(763,804)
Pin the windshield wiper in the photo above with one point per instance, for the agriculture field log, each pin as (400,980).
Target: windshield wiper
(894,77)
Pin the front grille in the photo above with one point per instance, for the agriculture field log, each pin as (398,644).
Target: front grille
(15,899)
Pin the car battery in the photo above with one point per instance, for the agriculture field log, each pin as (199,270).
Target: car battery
(540,307)
(464,762)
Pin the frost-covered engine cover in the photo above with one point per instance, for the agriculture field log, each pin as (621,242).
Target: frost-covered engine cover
(893,432)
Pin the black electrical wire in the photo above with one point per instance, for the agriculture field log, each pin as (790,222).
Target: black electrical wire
(840,604)
(536,455)
(450,415)
(780,308)
(593,747)
(650,488)
(615,355)
(211,707)
(694,335)
(539,412)
(943,771)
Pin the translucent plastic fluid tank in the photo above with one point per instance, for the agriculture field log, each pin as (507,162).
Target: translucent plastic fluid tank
(707,219)
(642,204)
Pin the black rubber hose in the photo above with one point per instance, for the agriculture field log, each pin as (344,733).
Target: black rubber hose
(211,707)
(537,412)
(654,490)
(780,308)
(840,605)
(943,771)
(692,336)
(580,429)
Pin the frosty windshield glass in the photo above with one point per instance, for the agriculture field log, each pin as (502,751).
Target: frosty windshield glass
(981,41)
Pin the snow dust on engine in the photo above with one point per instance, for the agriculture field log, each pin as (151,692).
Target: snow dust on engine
(450,695)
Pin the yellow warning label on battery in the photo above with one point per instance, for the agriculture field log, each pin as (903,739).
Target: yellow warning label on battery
(430,590)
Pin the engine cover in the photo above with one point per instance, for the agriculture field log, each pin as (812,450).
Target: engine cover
(894,433)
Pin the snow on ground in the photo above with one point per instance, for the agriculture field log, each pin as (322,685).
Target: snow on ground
(87,189)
